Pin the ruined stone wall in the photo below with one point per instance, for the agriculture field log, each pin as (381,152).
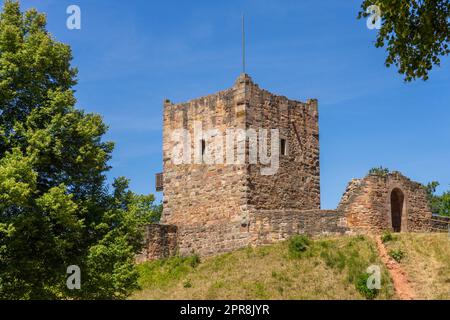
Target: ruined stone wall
(440,223)
(207,240)
(264,227)
(160,241)
(269,226)
(367,203)
(296,184)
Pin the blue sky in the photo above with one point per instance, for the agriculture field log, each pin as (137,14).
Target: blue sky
(133,54)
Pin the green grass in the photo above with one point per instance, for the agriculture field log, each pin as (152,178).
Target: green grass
(426,261)
(162,273)
(324,268)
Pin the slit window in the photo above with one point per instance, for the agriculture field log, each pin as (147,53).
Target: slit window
(203,142)
(283,147)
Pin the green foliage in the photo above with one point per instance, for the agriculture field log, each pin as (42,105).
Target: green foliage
(415,33)
(55,207)
(335,260)
(397,254)
(438,204)
(161,273)
(361,286)
(298,244)
(387,237)
(155,209)
(444,207)
(187,283)
(431,188)
(433,199)
(346,257)
(194,260)
(379,171)
(351,260)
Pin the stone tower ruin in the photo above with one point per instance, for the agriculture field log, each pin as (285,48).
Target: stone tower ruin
(241,167)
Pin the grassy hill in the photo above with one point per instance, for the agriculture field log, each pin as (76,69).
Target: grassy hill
(328,268)
(426,261)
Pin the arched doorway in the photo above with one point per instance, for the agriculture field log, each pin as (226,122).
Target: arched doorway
(397,203)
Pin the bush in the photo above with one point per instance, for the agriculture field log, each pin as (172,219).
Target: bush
(187,283)
(387,237)
(379,171)
(397,255)
(194,260)
(361,286)
(298,244)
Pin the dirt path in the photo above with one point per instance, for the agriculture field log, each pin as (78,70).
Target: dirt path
(401,283)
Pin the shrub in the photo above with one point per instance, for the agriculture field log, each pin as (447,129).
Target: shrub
(397,255)
(361,286)
(386,237)
(379,171)
(187,283)
(194,260)
(298,244)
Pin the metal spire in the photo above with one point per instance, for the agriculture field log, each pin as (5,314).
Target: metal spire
(243,43)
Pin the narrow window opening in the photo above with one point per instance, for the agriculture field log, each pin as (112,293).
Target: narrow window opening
(203,147)
(283,148)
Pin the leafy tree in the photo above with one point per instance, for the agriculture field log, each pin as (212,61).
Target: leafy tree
(416,34)
(444,208)
(55,206)
(439,204)
(433,200)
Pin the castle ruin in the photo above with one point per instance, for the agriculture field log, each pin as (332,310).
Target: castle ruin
(224,204)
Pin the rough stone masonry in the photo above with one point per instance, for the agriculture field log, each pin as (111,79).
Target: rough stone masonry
(219,207)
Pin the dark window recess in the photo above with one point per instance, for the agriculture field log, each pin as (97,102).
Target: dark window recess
(283,150)
(159,182)
(203,147)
